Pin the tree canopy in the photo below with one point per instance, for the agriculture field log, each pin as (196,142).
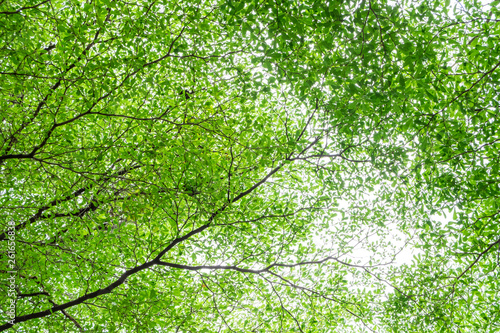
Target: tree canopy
(249,166)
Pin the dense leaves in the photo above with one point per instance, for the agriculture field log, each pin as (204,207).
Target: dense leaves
(247,166)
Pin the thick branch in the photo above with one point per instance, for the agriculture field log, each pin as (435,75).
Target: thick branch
(91,207)
(24,8)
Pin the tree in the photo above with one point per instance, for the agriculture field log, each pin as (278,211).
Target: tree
(249,166)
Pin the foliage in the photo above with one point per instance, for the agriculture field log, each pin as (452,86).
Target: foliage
(250,166)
